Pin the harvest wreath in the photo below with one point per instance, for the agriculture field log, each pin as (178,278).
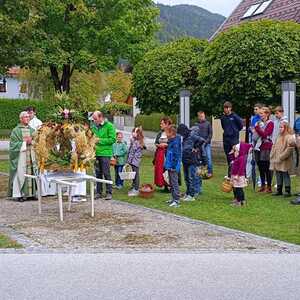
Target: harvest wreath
(64,144)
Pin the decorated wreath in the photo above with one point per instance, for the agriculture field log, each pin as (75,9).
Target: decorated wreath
(65,143)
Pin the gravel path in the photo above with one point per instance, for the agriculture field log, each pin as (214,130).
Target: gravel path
(119,225)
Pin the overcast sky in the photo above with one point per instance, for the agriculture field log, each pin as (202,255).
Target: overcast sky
(223,7)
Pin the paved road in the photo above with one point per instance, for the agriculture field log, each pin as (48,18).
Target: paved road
(150,276)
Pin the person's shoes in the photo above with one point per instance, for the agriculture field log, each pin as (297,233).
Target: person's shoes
(108,197)
(169,201)
(32,198)
(184,196)
(19,199)
(133,193)
(99,197)
(235,203)
(189,199)
(209,176)
(262,189)
(174,204)
(119,187)
(279,191)
(287,193)
(268,190)
(296,201)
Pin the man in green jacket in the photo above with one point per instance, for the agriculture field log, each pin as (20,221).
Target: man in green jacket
(106,133)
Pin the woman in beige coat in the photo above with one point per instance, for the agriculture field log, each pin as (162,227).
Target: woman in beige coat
(281,158)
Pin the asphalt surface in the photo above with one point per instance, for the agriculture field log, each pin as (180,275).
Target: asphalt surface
(150,276)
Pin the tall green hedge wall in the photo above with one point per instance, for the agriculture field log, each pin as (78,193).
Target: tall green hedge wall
(11,108)
(151,122)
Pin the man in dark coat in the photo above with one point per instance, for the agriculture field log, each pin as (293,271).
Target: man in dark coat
(232,124)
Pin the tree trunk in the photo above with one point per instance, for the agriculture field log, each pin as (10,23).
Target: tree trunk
(247,129)
(55,78)
(65,79)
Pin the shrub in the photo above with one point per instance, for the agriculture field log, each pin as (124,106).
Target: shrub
(11,108)
(151,122)
(114,108)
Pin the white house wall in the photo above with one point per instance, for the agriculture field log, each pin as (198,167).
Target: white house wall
(13,89)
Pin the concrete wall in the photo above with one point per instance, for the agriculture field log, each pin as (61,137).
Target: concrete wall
(218,132)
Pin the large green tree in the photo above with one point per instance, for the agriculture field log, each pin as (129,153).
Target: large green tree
(162,72)
(68,35)
(247,64)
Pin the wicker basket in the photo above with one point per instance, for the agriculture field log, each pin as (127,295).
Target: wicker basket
(127,173)
(146,191)
(226,186)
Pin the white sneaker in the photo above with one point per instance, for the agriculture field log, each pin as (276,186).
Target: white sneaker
(174,204)
(133,193)
(189,199)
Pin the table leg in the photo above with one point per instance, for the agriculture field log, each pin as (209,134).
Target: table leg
(39,194)
(92,192)
(59,189)
(69,197)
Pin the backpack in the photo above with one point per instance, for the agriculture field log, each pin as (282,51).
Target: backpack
(297,126)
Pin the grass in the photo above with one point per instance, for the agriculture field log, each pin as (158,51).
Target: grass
(6,242)
(4,166)
(264,215)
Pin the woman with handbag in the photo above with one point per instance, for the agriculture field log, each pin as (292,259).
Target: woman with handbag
(264,131)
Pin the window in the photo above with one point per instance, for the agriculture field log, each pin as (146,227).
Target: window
(257,9)
(3,85)
(263,7)
(251,10)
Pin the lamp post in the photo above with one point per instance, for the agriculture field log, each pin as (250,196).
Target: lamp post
(289,100)
(185,107)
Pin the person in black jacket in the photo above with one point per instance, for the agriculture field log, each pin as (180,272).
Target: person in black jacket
(232,124)
(192,157)
(206,132)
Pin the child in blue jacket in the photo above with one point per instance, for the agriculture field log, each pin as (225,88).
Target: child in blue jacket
(172,164)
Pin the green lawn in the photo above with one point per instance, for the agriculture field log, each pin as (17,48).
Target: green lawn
(5,242)
(4,166)
(263,215)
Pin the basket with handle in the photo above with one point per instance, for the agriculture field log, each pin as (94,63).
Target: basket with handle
(226,186)
(127,173)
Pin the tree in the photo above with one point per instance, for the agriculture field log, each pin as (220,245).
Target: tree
(87,88)
(120,85)
(162,72)
(68,35)
(247,64)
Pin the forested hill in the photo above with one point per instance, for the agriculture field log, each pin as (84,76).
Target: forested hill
(187,20)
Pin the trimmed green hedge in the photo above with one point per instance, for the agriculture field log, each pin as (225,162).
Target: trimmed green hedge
(116,108)
(11,108)
(151,122)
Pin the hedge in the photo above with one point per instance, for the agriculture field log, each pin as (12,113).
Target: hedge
(151,122)
(11,108)
(115,108)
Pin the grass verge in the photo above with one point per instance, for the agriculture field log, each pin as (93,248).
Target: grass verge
(6,242)
(264,214)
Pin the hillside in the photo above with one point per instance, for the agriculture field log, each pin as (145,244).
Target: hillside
(187,20)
